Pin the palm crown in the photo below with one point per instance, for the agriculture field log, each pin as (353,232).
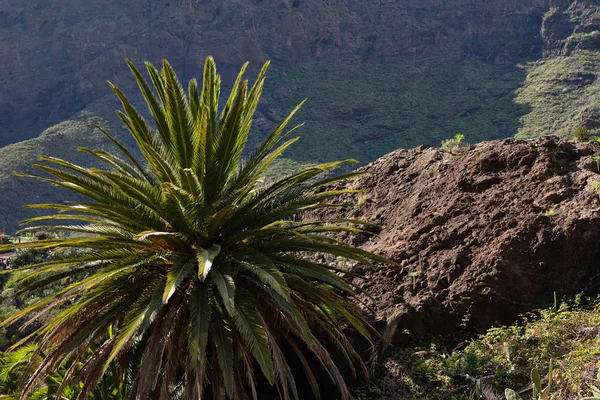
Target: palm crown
(186,260)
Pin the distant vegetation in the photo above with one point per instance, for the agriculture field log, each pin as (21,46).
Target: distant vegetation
(353,111)
(561,94)
(366,111)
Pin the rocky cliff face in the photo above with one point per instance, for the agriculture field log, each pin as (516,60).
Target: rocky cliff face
(58,54)
(562,88)
(482,234)
(570,26)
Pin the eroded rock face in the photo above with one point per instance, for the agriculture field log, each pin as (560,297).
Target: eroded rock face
(561,88)
(570,26)
(488,232)
(57,55)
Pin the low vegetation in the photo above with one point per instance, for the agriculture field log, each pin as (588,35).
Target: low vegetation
(583,135)
(566,338)
(454,145)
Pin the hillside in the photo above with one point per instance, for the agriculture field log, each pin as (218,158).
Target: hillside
(562,88)
(60,53)
(379,75)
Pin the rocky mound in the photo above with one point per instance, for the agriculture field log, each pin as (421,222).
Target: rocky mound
(483,233)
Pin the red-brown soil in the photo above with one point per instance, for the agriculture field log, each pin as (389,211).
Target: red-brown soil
(482,233)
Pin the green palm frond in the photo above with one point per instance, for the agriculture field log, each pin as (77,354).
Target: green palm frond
(187,274)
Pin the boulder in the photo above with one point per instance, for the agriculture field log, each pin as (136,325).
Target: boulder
(481,233)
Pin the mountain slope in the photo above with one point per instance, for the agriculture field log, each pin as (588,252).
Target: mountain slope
(58,54)
(563,88)
(379,75)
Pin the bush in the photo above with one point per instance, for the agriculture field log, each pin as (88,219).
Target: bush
(455,144)
(583,135)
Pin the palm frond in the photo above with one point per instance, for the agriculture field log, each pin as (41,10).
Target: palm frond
(185,275)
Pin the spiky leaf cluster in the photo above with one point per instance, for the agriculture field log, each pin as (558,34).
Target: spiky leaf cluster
(186,257)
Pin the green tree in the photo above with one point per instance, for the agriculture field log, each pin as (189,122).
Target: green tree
(185,256)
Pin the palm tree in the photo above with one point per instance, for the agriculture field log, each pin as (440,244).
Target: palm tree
(114,385)
(185,255)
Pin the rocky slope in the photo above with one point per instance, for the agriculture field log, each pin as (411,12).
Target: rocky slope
(563,87)
(58,54)
(483,233)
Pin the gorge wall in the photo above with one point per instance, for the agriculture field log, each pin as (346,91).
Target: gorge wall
(57,55)
(379,74)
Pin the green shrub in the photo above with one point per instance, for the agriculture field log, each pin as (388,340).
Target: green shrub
(455,144)
(583,134)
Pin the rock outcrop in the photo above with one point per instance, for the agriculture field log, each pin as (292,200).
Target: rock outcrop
(482,234)
(570,26)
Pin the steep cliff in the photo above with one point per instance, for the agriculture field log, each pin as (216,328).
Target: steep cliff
(562,89)
(58,54)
